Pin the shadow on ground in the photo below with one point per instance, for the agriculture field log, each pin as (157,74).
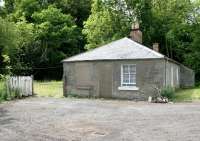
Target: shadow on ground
(5,118)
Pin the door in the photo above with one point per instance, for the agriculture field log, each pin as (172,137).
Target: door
(105,80)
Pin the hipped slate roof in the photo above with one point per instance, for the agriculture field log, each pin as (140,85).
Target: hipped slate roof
(122,49)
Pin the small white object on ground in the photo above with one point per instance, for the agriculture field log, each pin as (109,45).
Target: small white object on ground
(150,99)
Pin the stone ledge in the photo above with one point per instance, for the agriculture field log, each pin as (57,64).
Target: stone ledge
(128,88)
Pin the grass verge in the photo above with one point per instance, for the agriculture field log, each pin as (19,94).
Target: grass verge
(184,95)
(48,89)
(2,90)
(55,89)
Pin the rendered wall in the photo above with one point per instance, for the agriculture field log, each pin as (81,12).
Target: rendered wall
(81,79)
(102,78)
(149,76)
(172,74)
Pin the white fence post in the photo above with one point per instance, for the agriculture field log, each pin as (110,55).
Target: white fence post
(22,83)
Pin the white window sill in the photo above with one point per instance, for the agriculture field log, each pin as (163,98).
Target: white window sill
(128,88)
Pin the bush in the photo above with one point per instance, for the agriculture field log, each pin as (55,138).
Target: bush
(168,92)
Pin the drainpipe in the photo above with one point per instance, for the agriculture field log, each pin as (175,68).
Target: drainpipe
(166,72)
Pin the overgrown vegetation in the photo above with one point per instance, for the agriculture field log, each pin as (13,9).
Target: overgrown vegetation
(181,95)
(7,94)
(168,92)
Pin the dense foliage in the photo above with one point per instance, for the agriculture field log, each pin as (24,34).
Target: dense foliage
(35,35)
(46,31)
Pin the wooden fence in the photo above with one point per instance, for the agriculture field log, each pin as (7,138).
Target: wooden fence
(22,83)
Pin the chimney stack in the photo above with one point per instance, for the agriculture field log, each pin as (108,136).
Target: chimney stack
(136,34)
(156,47)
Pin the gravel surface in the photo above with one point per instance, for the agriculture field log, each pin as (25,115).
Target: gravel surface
(50,119)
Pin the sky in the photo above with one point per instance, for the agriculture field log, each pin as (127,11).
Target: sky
(1,2)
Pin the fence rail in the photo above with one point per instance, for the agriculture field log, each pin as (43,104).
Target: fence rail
(22,83)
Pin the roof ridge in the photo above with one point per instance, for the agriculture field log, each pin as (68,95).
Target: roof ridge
(123,48)
(147,48)
(93,49)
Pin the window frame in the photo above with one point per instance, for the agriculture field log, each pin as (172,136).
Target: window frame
(129,84)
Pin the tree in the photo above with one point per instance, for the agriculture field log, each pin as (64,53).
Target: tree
(111,20)
(27,51)
(58,36)
(104,25)
(79,9)
(8,44)
(50,30)
(55,30)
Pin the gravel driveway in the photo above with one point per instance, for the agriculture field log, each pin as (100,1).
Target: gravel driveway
(50,119)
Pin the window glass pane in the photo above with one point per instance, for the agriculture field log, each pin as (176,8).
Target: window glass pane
(132,78)
(125,78)
(132,69)
(125,69)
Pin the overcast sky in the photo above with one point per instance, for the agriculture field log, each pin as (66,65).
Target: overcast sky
(1,2)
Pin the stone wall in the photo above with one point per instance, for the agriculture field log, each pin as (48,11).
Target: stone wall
(103,78)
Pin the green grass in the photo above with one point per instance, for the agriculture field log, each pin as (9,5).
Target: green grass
(1,85)
(48,89)
(2,89)
(192,94)
(55,89)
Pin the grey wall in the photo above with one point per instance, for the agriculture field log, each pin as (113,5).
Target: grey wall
(80,78)
(172,74)
(102,78)
(149,76)
(187,77)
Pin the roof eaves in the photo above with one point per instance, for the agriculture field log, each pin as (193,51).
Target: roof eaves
(172,60)
(111,60)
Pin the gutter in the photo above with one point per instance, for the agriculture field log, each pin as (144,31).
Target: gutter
(171,60)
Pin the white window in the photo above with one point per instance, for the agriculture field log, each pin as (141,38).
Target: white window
(128,75)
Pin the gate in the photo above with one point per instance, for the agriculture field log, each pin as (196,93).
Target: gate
(22,83)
